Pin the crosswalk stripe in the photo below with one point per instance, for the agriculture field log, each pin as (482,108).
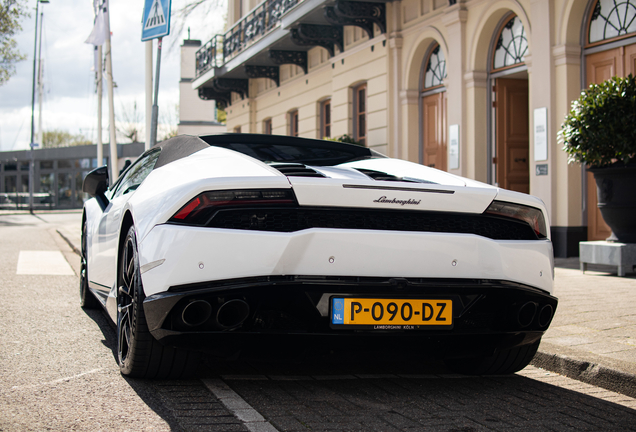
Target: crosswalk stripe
(50,263)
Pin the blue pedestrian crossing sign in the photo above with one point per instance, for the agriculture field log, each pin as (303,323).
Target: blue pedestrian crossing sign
(156,19)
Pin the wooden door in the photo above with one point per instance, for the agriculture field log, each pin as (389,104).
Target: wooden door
(630,59)
(434,130)
(512,161)
(600,67)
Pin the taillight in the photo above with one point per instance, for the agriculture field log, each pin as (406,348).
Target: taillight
(200,209)
(532,216)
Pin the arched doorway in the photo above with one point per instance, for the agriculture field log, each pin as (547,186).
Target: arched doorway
(609,47)
(433,109)
(509,116)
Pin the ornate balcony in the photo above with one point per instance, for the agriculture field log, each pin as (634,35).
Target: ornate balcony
(252,27)
(210,55)
(278,32)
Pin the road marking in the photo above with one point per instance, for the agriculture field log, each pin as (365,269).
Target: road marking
(245,377)
(256,377)
(238,407)
(57,381)
(43,263)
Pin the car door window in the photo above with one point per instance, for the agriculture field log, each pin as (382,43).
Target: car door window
(137,173)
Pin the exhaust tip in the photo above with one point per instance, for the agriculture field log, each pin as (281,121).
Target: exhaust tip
(232,313)
(545,316)
(526,314)
(196,313)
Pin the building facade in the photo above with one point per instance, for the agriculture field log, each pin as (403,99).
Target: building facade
(478,88)
(58,173)
(196,116)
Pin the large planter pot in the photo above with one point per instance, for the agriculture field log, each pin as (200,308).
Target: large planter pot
(616,191)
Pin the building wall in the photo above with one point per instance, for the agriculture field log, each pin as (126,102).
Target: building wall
(391,65)
(363,61)
(58,174)
(196,116)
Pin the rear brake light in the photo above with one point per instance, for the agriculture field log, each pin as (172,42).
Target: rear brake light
(200,209)
(532,216)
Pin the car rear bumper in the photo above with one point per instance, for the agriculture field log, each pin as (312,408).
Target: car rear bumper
(172,255)
(487,314)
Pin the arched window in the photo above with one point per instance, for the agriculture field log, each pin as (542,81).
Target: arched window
(512,44)
(435,68)
(611,19)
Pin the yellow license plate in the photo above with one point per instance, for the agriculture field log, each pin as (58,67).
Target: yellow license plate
(391,312)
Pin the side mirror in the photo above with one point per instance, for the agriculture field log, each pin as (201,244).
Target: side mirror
(96,183)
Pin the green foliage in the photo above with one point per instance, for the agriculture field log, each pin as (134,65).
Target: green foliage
(11,12)
(345,139)
(601,127)
(60,138)
(221,116)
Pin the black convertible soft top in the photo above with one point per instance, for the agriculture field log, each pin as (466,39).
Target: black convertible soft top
(266,148)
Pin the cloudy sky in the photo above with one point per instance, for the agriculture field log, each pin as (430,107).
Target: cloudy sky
(70,101)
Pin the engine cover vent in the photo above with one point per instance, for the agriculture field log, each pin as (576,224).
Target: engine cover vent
(296,170)
(379,175)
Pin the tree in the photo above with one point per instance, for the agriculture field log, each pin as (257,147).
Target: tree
(11,12)
(60,138)
(129,122)
(167,127)
(184,9)
(344,139)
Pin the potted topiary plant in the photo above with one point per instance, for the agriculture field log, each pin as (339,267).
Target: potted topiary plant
(600,132)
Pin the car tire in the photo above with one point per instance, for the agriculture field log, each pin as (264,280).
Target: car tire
(139,354)
(504,362)
(87,298)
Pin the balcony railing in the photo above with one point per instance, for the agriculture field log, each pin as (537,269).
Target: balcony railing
(252,27)
(210,55)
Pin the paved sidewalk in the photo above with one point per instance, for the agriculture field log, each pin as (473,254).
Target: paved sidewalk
(592,337)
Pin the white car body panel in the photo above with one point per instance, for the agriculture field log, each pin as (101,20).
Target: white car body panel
(308,252)
(402,168)
(210,169)
(311,191)
(220,169)
(105,241)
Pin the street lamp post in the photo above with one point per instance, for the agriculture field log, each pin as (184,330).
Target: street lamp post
(31,145)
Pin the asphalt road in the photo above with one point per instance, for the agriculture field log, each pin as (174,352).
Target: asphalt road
(58,372)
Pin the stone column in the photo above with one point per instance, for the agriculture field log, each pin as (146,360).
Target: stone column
(397,145)
(455,21)
(541,94)
(474,152)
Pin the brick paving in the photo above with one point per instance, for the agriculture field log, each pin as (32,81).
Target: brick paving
(195,409)
(593,334)
(533,399)
(596,313)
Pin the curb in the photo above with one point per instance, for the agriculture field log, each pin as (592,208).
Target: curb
(72,246)
(590,373)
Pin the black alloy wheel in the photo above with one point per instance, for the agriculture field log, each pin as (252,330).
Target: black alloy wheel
(87,299)
(138,352)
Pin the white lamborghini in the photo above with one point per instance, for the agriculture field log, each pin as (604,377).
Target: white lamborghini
(206,243)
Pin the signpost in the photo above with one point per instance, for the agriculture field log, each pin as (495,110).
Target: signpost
(155,24)
(156,20)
